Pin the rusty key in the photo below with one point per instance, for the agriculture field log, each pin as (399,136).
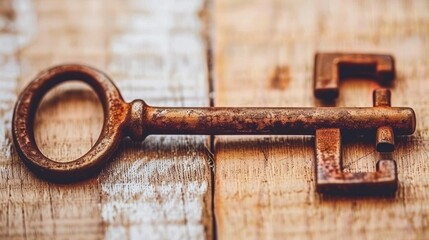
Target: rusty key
(138,120)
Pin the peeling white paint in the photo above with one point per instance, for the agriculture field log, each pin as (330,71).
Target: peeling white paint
(18,32)
(146,202)
(16,28)
(158,55)
(25,21)
(161,192)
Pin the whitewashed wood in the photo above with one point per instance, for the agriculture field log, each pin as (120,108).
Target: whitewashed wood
(36,209)
(160,189)
(264,51)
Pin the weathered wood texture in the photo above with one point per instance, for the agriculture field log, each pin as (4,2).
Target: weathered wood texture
(162,187)
(264,52)
(155,50)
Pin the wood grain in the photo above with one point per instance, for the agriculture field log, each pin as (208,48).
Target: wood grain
(264,51)
(159,189)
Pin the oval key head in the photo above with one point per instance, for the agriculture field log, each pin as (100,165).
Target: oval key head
(115,116)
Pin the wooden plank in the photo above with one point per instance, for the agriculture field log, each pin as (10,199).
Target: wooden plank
(264,52)
(33,208)
(158,189)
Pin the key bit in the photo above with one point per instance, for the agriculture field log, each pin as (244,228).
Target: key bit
(330,177)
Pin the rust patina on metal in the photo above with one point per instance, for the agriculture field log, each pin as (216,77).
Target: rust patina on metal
(138,120)
(329,68)
(329,174)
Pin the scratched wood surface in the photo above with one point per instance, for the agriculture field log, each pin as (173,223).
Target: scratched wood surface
(264,50)
(154,50)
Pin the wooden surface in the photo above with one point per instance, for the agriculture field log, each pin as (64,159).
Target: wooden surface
(264,51)
(260,53)
(159,189)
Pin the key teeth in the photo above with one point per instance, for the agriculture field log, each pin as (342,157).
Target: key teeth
(385,139)
(330,178)
(327,68)
(386,184)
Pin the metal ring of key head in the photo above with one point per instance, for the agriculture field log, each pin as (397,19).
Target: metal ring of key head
(138,120)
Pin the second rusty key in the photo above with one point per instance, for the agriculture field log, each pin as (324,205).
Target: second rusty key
(138,120)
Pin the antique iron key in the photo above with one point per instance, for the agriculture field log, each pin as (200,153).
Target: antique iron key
(138,120)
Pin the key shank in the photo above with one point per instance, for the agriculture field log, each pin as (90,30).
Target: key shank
(267,121)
